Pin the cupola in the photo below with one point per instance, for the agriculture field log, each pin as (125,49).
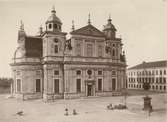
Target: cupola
(53,23)
(109,29)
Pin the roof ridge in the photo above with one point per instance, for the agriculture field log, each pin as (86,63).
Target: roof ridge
(161,63)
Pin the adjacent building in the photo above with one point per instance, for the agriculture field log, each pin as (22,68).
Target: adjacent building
(50,66)
(154,73)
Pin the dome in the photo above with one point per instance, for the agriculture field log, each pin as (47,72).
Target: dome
(109,25)
(53,18)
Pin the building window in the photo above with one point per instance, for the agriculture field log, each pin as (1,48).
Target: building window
(164,72)
(56,40)
(50,26)
(164,79)
(114,84)
(156,72)
(78,49)
(99,84)
(160,72)
(160,80)
(131,85)
(156,87)
(153,87)
(78,85)
(56,72)
(38,85)
(55,26)
(89,50)
(156,80)
(78,72)
(164,87)
(100,51)
(89,72)
(56,86)
(160,87)
(152,72)
(152,80)
(56,49)
(59,27)
(113,52)
(18,85)
(100,72)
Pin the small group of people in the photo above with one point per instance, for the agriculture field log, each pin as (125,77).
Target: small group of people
(66,112)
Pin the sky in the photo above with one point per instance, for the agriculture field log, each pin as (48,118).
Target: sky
(142,24)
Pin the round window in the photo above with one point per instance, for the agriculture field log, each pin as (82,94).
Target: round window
(56,40)
(89,72)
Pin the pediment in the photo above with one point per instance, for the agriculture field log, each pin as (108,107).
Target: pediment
(88,30)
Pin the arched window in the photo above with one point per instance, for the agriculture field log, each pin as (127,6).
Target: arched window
(55,26)
(113,52)
(59,27)
(50,26)
(56,49)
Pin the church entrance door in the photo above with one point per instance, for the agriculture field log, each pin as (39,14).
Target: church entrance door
(90,90)
(89,87)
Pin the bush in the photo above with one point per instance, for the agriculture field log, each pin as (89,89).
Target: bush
(5,82)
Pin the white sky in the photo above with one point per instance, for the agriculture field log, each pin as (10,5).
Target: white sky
(141,23)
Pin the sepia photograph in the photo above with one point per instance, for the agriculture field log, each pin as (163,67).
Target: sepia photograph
(83,61)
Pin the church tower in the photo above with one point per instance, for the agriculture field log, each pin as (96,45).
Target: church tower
(109,30)
(113,44)
(53,37)
(53,55)
(53,23)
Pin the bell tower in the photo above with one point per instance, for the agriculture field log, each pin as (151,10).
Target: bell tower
(113,44)
(53,37)
(109,29)
(53,23)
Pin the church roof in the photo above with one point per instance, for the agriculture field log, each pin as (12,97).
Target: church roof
(150,65)
(33,46)
(53,17)
(109,25)
(88,30)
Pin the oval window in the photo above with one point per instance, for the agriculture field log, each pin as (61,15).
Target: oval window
(89,72)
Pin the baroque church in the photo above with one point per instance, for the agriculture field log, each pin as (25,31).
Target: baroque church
(49,66)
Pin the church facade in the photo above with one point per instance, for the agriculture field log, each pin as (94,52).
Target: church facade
(49,66)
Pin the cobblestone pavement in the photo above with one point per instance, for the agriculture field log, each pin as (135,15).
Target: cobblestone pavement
(89,110)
